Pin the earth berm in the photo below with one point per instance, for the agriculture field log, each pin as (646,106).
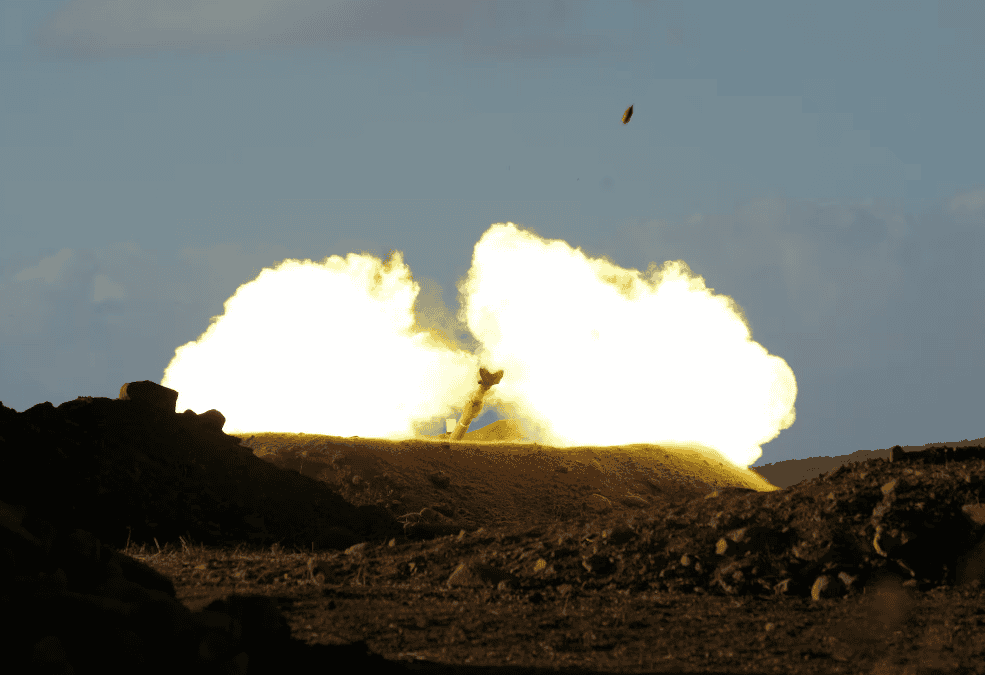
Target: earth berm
(136,539)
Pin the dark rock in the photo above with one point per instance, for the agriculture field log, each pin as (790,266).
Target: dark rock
(149,393)
(82,481)
(213,419)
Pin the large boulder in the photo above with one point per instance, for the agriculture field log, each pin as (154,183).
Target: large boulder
(151,394)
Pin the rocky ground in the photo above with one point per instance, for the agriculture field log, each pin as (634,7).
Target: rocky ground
(137,538)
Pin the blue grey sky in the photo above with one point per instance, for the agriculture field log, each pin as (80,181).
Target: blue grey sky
(818,163)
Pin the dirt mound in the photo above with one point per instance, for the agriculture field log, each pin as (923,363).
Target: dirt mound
(792,471)
(80,481)
(127,471)
(473,483)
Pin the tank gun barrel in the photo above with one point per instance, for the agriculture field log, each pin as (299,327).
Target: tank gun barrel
(472,408)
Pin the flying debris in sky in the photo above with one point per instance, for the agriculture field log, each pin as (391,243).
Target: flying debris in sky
(626,115)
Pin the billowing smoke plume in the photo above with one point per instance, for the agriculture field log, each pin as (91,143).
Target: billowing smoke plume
(593,354)
(598,355)
(327,348)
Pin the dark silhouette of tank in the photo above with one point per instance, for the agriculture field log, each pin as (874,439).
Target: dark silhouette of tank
(626,115)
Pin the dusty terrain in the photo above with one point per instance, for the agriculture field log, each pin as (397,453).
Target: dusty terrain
(495,554)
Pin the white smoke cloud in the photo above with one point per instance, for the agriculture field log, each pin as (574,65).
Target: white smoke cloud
(595,354)
(326,348)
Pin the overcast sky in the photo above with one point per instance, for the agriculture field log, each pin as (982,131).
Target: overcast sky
(819,163)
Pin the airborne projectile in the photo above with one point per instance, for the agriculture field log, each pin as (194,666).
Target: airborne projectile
(626,115)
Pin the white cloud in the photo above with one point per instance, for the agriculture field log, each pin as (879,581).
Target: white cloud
(973,200)
(529,29)
(49,269)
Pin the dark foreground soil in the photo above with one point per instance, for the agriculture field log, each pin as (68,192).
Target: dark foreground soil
(603,589)
(437,629)
(492,556)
